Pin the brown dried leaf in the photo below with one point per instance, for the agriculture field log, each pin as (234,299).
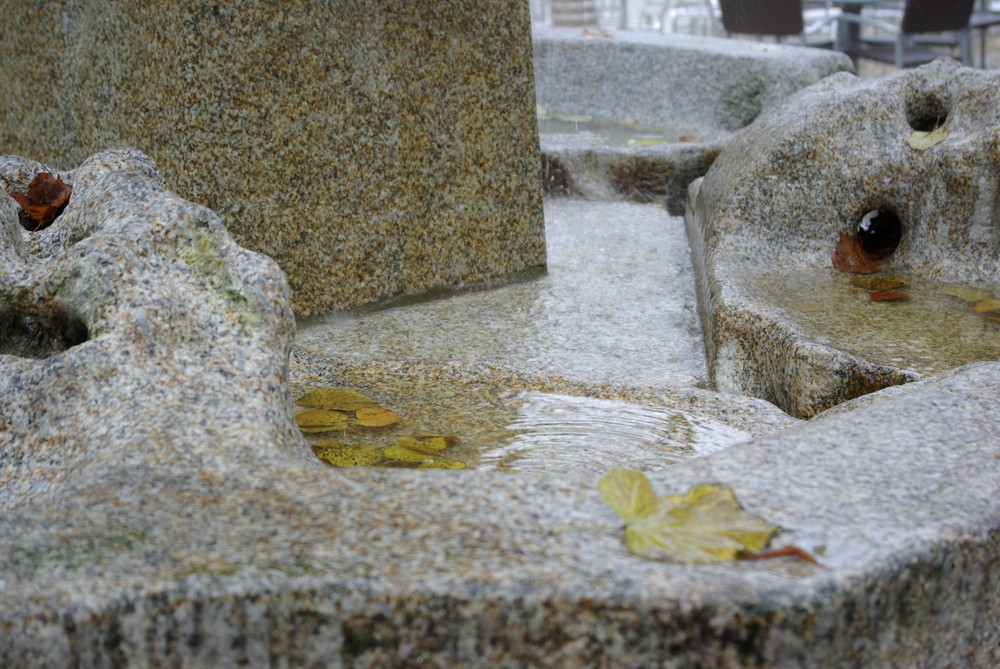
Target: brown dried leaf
(889,296)
(848,256)
(879,283)
(46,198)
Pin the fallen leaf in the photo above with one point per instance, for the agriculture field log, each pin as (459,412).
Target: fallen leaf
(45,199)
(339,454)
(889,296)
(879,283)
(784,551)
(336,398)
(921,140)
(376,417)
(404,454)
(321,420)
(848,256)
(966,294)
(707,524)
(985,305)
(992,316)
(646,141)
(428,445)
(441,464)
(572,118)
(689,138)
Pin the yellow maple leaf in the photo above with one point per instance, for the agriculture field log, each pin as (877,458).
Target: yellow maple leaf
(706,524)
(321,420)
(376,417)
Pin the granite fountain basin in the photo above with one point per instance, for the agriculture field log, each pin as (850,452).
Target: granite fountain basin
(641,115)
(160,507)
(781,321)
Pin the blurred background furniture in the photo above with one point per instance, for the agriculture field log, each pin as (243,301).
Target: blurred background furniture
(927,29)
(777,18)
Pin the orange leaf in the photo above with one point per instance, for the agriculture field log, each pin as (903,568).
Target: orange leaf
(376,417)
(47,196)
(888,296)
(849,256)
(785,551)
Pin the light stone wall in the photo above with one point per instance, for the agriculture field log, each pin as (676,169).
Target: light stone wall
(373,148)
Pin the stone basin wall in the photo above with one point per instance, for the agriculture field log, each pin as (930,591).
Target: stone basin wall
(372,148)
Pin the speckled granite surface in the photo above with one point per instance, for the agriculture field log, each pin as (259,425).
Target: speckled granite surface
(652,85)
(158,508)
(302,123)
(785,326)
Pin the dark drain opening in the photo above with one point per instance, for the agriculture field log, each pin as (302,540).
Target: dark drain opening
(28,336)
(926,110)
(879,232)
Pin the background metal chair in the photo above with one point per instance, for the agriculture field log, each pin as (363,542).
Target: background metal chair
(983,18)
(911,44)
(775,18)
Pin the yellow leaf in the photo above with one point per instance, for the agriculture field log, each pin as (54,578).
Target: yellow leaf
(628,492)
(321,420)
(404,454)
(966,294)
(572,118)
(339,454)
(989,304)
(376,417)
(335,398)
(707,524)
(441,464)
(646,141)
(428,445)
(922,140)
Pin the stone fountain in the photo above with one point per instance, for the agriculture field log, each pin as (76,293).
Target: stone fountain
(161,508)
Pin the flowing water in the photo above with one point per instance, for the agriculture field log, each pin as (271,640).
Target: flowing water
(615,313)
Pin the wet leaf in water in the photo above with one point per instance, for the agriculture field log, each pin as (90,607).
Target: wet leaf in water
(879,283)
(428,445)
(336,398)
(889,296)
(922,140)
(849,256)
(47,196)
(376,417)
(646,141)
(321,420)
(572,118)
(992,316)
(442,464)
(707,524)
(689,138)
(339,454)
(965,293)
(404,454)
(985,305)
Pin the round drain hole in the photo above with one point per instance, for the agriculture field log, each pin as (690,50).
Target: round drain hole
(879,232)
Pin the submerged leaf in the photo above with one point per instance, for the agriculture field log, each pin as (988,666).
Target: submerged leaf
(376,417)
(689,138)
(321,420)
(339,454)
(647,141)
(336,398)
(707,524)
(849,256)
(922,140)
(428,445)
(889,296)
(441,464)
(879,283)
(966,294)
(988,304)
(404,454)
